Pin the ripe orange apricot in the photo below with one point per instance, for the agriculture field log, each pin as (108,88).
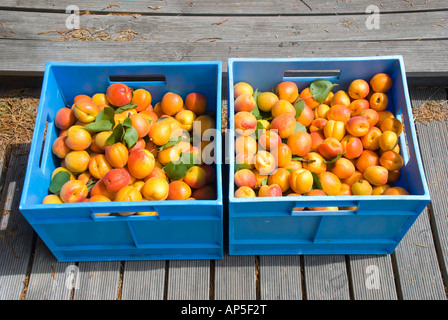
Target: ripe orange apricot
(171,103)
(142,98)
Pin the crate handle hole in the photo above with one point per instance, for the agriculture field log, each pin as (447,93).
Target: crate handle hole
(147,79)
(307,75)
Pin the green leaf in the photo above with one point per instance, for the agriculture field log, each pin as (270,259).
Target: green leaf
(58,180)
(264,182)
(297,158)
(300,127)
(316,181)
(116,135)
(241,166)
(130,137)
(108,114)
(334,159)
(255,111)
(125,107)
(127,123)
(173,141)
(97,126)
(176,170)
(299,105)
(320,88)
(259,130)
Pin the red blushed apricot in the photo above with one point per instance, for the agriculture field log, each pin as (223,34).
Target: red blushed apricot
(195,177)
(358,89)
(316,193)
(179,190)
(307,96)
(64,118)
(269,139)
(282,107)
(353,178)
(273,190)
(142,98)
(99,166)
(391,160)
(205,193)
(287,90)
(245,192)
(85,110)
(367,159)
(100,189)
(371,115)
(281,178)
(73,191)
(116,179)
(118,94)
(140,144)
(78,138)
(357,126)
(306,117)
(381,82)
(242,88)
(340,97)
(140,124)
(330,148)
(371,140)
(317,137)
(244,102)
(346,190)
(352,147)
(285,124)
(117,155)
(357,106)
(245,123)
(196,102)
(140,163)
(318,125)
(343,168)
(80,97)
(339,112)
(245,177)
(300,143)
(60,148)
(156,173)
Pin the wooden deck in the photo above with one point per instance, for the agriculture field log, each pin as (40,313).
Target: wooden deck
(33,32)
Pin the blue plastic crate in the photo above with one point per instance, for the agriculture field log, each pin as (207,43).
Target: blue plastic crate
(182,229)
(271,226)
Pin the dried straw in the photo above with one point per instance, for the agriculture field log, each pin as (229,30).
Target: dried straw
(431,110)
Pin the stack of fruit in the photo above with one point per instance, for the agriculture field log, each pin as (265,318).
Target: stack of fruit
(115,146)
(313,142)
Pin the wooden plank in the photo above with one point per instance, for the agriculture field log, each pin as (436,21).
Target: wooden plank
(239,29)
(189,280)
(16,235)
(372,277)
(416,259)
(98,280)
(235,278)
(50,279)
(263,7)
(280,278)
(143,280)
(326,277)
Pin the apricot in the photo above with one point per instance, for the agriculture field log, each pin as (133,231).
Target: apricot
(392,124)
(171,103)
(352,147)
(77,161)
(353,178)
(379,190)
(394,176)
(140,144)
(242,88)
(376,175)
(273,190)
(366,159)
(73,191)
(339,112)
(383,115)
(265,162)
(141,124)
(140,163)
(331,184)
(358,89)
(179,190)
(282,154)
(64,118)
(300,143)
(128,193)
(60,148)
(100,189)
(307,96)
(391,160)
(205,123)
(245,144)
(321,111)
(317,137)
(196,102)
(388,140)
(285,124)
(186,119)
(330,148)
(316,193)
(244,192)
(340,97)
(244,102)
(160,132)
(116,179)
(318,125)
(80,97)
(245,177)
(260,179)
(100,99)
(173,153)
(155,188)
(379,101)
(343,168)
(99,166)
(381,82)
(85,177)
(78,138)
(370,141)
(293,165)
(59,169)
(362,188)
(306,117)
(205,193)
(118,94)
(357,106)
(52,198)
(85,110)
(156,173)
(287,90)
(371,115)
(301,181)
(346,190)
(396,191)
(245,123)
(334,129)
(196,177)
(265,124)
(357,126)
(142,98)
(117,155)
(281,178)
(266,100)
(282,107)
(269,139)
(314,162)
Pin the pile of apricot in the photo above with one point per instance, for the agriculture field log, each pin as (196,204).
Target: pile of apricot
(132,169)
(344,144)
